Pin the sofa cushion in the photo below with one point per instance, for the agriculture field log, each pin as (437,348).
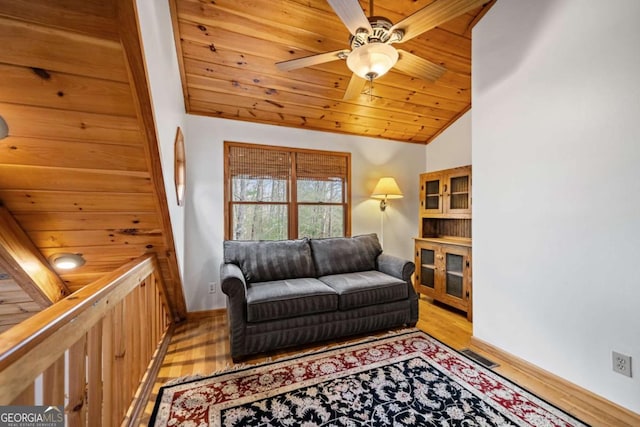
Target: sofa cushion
(281,299)
(366,288)
(264,261)
(345,254)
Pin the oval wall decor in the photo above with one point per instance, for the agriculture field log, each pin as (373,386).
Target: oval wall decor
(179,167)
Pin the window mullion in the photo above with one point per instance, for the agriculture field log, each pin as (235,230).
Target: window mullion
(293,198)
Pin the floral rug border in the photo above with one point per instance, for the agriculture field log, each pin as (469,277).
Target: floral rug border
(246,370)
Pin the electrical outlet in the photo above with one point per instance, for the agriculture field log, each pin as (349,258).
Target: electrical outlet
(212,287)
(621,363)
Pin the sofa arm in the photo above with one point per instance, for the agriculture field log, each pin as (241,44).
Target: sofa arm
(396,267)
(233,284)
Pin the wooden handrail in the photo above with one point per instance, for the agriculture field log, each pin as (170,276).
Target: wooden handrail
(28,349)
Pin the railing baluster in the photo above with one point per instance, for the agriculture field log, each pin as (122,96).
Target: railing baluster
(53,384)
(108,357)
(77,384)
(94,389)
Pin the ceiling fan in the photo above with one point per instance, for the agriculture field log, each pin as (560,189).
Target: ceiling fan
(372,53)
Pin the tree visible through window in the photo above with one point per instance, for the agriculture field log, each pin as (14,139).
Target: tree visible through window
(275,193)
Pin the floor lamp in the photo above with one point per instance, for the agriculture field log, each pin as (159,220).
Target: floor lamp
(386,188)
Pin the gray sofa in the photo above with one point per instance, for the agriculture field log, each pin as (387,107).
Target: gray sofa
(292,292)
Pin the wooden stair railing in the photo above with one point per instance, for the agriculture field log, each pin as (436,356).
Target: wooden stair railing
(99,340)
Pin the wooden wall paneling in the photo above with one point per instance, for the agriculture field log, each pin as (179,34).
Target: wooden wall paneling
(173,8)
(40,122)
(122,236)
(76,281)
(6,310)
(55,179)
(21,259)
(51,221)
(220,21)
(308,117)
(75,201)
(314,82)
(30,45)
(52,89)
(80,154)
(103,253)
(316,107)
(310,104)
(92,17)
(251,64)
(254,115)
(20,305)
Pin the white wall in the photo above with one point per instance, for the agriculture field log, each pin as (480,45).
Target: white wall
(168,103)
(556,158)
(452,148)
(370,160)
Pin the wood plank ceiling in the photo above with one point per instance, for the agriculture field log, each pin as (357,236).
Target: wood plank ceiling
(229,48)
(80,170)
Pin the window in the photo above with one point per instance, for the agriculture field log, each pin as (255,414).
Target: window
(275,193)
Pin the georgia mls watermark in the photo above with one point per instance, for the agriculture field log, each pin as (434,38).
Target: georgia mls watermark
(31,416)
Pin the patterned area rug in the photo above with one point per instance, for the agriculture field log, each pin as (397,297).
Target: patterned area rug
(406,379)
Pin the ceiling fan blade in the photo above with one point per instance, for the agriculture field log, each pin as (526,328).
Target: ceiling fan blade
(308,61)
(354,89)
(438,12)
(418,67)
(351,14)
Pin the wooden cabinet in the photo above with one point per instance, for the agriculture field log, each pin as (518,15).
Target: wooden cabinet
(443,271)
(443,245)
(446,193)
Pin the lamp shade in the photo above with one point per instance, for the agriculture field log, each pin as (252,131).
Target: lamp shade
(372,60)
(387,188)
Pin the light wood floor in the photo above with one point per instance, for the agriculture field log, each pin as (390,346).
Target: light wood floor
(200,346)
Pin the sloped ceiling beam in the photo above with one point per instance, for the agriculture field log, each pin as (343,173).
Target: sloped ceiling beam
(20,258)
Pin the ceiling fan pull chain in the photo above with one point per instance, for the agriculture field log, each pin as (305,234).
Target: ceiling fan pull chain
(371,90)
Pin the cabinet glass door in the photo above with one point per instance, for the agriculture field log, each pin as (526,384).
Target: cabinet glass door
(433,196)
(428,268)
(459,195)
(454,270)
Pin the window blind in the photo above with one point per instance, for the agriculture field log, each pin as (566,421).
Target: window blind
(259,163)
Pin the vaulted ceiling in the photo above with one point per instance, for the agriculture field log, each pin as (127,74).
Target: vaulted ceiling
(228,50)
(80,169)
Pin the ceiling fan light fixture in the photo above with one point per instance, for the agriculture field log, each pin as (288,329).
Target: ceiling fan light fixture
(372,60)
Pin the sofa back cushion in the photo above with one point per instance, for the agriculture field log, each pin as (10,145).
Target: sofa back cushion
(339,255)
(264,261)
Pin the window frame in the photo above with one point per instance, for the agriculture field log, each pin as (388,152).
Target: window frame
(292,203)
